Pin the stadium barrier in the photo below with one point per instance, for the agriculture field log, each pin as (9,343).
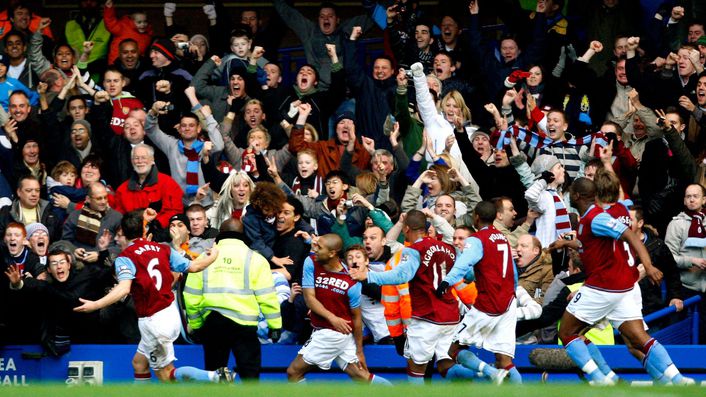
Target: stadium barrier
(25,365)
(683,331)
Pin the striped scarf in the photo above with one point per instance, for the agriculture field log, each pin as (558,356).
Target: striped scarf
(192,165)
(697,232)
(89,221)
(298,184)
(535,140)
(561,218)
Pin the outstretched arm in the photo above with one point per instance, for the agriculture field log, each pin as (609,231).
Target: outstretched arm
(118,292)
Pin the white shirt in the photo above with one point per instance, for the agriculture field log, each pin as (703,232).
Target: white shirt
(16,71)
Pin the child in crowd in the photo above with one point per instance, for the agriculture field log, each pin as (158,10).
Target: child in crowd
(134,26)
(307,182)
(62,181)
(239,57)
(266,201)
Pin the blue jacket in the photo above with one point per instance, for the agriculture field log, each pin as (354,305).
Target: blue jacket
(10,85)
(259,232)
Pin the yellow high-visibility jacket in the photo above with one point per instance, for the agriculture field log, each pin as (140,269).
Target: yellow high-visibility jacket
(238,285)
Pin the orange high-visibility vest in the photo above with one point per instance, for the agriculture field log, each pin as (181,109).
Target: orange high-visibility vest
(466,293)
(396,299)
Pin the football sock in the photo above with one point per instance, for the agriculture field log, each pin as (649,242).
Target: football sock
(600,361)
(513,374)
(457,371)
(578,352)
(415,378)
(472,362)
(657,357)
(379,380)
(185,374)
(654,373)
(143,378)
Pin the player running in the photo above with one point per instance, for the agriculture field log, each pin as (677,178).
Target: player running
(431,329)
(604,244)
(334,299)
(144,270)
(490,323)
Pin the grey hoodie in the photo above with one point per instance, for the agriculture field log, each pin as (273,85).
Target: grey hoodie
(677,232)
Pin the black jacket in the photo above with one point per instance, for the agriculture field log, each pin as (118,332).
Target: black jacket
(296,249)
(661,258)
(374,98)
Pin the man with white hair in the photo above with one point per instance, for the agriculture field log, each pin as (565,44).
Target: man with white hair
(149,188)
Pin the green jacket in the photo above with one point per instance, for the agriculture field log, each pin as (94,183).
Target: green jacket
(378,218)
(99,36)
(238,285)
(411,129)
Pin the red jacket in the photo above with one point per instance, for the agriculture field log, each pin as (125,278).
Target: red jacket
(159,192)
(122,29)
(328,153)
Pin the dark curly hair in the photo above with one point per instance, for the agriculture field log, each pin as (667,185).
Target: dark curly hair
(267,198)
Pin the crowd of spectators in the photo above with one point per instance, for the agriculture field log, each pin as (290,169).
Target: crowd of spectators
(104,116)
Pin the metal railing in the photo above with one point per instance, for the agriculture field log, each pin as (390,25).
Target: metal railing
(682,332)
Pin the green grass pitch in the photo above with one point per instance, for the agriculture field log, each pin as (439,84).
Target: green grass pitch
(349,390)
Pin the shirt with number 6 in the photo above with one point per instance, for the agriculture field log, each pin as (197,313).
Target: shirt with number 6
(149,265)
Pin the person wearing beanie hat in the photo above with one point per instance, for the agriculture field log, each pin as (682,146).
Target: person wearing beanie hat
(216,92)
(166,81)
(35,228)
(38,237)
(180,232)
(544,162)
(545,197)
(76,145)
(480,141)
(164,47)
(81,138)
(175,219)
(345,115)
(306,89)
(28,159)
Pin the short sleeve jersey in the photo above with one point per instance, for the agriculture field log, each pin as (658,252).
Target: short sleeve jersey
(605,258)
(336,291)
(495,273)
(149,265)
(435,258)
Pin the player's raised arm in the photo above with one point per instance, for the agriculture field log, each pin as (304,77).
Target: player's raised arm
(204,260)
(472,253)
(405,271)
(118,292)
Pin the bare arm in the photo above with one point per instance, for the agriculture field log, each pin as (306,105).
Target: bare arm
(119,292)
(204,260)
(338,323)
